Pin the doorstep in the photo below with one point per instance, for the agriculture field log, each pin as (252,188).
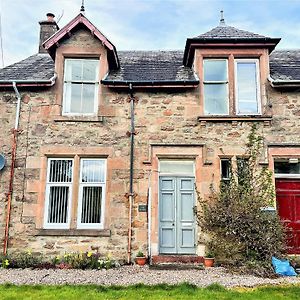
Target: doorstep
(176,259)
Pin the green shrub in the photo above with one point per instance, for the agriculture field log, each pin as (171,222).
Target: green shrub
(76,260)
(240,231)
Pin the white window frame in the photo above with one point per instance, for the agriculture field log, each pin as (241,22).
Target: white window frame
(47,194)
(99,184)
(206,82)
(221,173)
(96,85)
(284,175)
(258,93)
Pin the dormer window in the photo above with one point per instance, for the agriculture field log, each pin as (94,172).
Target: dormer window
(216,86)
(231,86)
(81,84)
(247,86)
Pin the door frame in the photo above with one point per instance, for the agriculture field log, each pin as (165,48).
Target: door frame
(176,176)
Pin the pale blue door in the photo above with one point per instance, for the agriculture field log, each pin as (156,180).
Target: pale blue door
(176,215)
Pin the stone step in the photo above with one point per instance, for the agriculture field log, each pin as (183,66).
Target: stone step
(176,259)
(177,266)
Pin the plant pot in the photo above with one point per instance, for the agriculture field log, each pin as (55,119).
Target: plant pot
(141,261)
(209,261)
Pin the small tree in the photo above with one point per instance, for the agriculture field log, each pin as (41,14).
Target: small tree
(240,230)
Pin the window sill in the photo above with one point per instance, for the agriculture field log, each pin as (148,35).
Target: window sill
(73,232)
(78,119)
(254,118)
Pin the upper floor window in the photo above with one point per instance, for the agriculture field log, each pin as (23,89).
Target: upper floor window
(216,87)
(245,90)
(81,83)
(247,86)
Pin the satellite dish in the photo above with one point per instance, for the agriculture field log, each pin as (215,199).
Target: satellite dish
(2,161)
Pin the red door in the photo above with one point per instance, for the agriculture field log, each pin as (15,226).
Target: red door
(288,205)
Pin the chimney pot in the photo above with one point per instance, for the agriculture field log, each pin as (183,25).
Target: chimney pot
(50,17)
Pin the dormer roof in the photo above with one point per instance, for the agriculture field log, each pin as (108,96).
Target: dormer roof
(227,36)
(81,21)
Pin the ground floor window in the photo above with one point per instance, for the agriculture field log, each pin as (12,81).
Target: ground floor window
(83,191)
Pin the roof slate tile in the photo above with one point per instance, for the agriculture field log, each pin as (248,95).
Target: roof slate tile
(224,31)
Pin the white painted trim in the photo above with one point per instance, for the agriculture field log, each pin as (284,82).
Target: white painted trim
(100,184)
(47,194)
(258,92)
(216,82)
(288,176)
(96,92)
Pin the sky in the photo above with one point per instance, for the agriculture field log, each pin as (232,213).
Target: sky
(147,24)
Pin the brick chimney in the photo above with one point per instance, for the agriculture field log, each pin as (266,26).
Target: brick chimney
(48,28)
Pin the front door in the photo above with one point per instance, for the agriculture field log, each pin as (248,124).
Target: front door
(288,204)
(176,215)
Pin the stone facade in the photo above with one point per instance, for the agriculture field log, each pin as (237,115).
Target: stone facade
(167,126)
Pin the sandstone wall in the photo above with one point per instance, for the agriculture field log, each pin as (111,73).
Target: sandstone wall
(162,117)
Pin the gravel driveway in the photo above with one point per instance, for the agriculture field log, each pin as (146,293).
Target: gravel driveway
(128,275)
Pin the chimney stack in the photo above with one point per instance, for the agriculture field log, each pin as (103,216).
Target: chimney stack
(48,28)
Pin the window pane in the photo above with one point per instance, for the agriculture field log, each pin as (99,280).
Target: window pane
(215,70)
(60,171)
(247,87)
(73,69)
(248,107)
(58,204)
(216,99)
(284,167)
(90,70)
(179,167)
(92,170)
(225,169)
(75,106)
(88,98)
(91,204)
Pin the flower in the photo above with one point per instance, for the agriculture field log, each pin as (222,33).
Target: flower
(109,255)
(28,252)
(6,262)
(89,254)
(58,257)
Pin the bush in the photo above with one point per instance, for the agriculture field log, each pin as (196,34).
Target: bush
(87,260)
(241,232)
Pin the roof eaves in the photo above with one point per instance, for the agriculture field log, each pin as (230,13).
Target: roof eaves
(162,83)
(283,82)
(29,82)
(269,43)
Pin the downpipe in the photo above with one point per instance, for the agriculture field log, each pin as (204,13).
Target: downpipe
(131,192)
(12,169)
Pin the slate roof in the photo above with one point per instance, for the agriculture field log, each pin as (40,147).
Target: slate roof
(229,32)
(285,65)
(34,68)
(147,67)
(151,66)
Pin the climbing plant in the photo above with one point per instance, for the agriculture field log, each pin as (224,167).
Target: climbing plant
(241,231)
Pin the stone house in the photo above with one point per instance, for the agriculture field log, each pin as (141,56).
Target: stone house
(103,148)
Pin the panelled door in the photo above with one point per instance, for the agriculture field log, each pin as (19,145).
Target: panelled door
(288,205)
(176,215)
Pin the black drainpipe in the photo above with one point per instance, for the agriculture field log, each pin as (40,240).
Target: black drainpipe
(132,131)
(131,192)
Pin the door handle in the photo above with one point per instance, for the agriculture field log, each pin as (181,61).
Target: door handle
(173,224)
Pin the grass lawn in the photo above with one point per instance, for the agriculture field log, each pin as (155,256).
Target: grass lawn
(183,291)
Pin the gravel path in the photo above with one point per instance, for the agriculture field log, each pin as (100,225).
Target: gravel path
(128,275)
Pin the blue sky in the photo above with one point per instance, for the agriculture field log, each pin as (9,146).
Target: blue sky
(148,24)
